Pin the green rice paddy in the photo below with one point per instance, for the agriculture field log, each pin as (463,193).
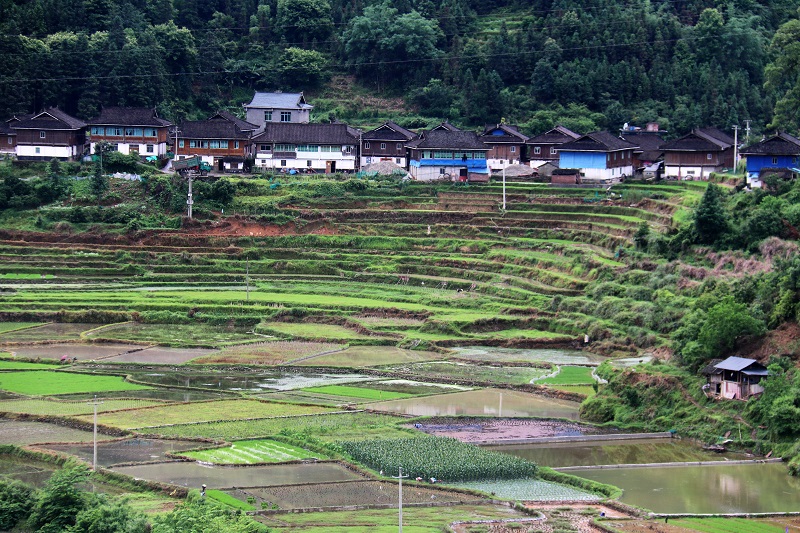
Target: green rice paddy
(43,383)
(253,451)
(358,392)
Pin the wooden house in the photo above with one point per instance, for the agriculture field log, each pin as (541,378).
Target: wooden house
(735,378)
(50,134)
(544,147)
(446,152)
(131,130)
(648,151)
(565,176)
(698,154)
(601,156)
(222,141)
(387,142)
(506,145)
(779,155)
(325,148)
(8,135)
(283,107)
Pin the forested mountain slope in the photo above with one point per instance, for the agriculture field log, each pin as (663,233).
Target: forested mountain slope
(589,64)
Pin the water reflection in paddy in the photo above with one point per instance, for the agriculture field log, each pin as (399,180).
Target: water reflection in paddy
(193,475)
(613,452)
(246,382)
(748,488)
(556,356)
(125,451)
(490,402)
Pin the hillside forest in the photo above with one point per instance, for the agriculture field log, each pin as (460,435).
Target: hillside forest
(587,65)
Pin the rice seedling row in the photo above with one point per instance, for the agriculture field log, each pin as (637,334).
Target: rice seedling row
(253,451)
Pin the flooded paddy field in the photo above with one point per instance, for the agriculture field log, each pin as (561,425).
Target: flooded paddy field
(51,332)
(362,356)
(485,402)
(480,430)
(636,451)
(459,370)
(125,451)
(516,355)
(26,470)
(739,488)
(346,493)
(254,382)
(22,432)
(164,395)
(81,352)
(162,356)
(175,334)
(193,475)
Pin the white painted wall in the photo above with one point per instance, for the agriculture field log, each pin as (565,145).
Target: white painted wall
(318,160)
(688,172)
(366,160)
(49,152)
(607,173)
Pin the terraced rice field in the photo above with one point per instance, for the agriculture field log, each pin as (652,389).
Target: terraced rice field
(40,383)
(530,490)
(253,451)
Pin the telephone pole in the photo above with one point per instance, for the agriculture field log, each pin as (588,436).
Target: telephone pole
(735,148)
(94,404)
(190,202)
(400,477)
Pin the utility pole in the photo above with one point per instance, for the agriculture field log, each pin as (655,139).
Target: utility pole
(735,147)
(94,404)
(247,282)
(190,202)
(747,129)
(504,188)
(400,477)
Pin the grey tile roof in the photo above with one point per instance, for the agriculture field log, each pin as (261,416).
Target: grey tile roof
(598,141)
(445,126)
(279,100)
(510,134)
(389,131)
(293,133)
(557,135)
(700,140)
(212,128)
(241,124)
(449,140)
(780,144)
(51,118)
(129,116)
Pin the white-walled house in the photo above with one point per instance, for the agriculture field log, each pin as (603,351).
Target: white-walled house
(325,148)
(447,153)
(130,130)
(279,107)
(50,134)
(387,142)
(600,156)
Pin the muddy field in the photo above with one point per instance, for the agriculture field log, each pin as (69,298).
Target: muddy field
(21,432)
(498,430)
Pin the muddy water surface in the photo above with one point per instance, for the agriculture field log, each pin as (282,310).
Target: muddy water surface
(21,432)
(488,402)
(254,382)
(556,356)
(194,475)
(125,451)
(82,352)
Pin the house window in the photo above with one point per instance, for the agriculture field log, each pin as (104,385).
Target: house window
(114,132)
(552,150)
(128,131)
(513,149)
(265,147)
(283,162)
(308,148)
(774,160)
(537,150)
(399,146)
(286,116)
(708,156)
(396,159)
(192,144)
(98,130)
(42,134)
(214,144)
(383,146)
(308,162)
(150,132)
(180,143)
(284,148)
(443,155)
(348,149)
(38,150)
(148,148)
(268,116)
(441,172)
(366,145)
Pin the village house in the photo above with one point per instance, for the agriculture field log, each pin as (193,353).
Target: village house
(222,141)
(648,157)
(779,155)
(698,154)
(8,135)
(448,153)
(543,148)
(506,145)
(51,134)
(130,130)
(601,156)
(387,142)
(266,108)
(325,148)
(735,378)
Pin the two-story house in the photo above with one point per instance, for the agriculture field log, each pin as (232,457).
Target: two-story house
(698,154)
(8,135)
(506,145)
(601,157)
(131,130)
(543,148)
(265,108)
(325,148)
(779,154)
(222,141)
(50,134)
(387,142)
(448,153)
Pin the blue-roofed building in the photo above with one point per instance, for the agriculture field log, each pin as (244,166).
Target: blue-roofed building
(601,157)
(780,154)
(446,152)
(278,107)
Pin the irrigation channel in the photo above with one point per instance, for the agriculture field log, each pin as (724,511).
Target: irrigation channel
(159,425)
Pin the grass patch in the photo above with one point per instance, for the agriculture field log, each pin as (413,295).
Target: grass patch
(253,451)
(8,364)
(44,383)
(5,327)
(310,330)
(70,408)
(358,392)
(226,499)
(204,412)
(727,525)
